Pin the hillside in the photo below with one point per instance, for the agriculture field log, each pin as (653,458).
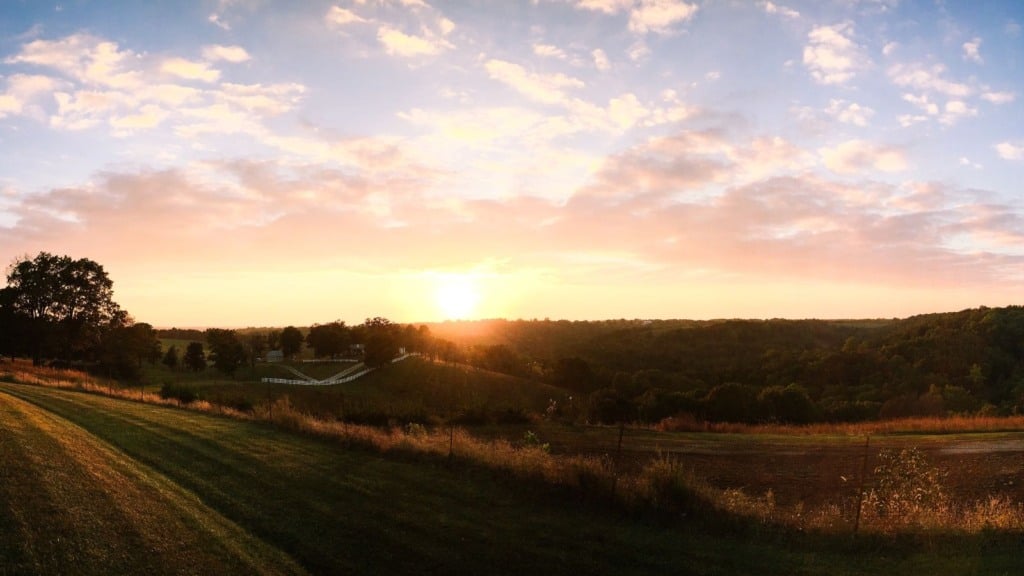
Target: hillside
(964,362)
(110,486)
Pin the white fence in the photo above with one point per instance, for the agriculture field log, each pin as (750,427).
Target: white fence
(343,377)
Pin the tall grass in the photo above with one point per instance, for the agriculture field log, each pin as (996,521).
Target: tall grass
(905,496)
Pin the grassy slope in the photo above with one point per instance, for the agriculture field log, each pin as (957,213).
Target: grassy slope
(410,390)
(106,485)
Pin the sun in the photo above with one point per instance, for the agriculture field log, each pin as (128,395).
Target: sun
(457,296)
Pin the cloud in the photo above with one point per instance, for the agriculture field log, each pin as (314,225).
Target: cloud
(600,60)
(859,155)
(956,110)
(549,51)
(217,21)
(998,97)
(84,58)
(148,116)
(849,113)
(971,51)
(645,16)
(660,16)
(605,6)
(775,9)
(233,54)
(544,88)
(831,55)
(1010,150)
(22,90)
(190,70)
(398,43)
(923,102)
(928,78)
(337,16)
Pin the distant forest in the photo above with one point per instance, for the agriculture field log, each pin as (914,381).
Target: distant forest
(773,370)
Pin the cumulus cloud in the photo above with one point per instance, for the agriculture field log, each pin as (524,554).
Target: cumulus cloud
(600,60)
(22,90)
(831,55)
(84,58)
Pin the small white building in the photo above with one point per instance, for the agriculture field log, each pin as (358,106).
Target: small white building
(275,356)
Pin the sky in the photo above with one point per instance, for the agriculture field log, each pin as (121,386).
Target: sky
(264,163)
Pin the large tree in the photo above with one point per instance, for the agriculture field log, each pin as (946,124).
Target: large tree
(124,348)
(195,357)
(60,307)
(380,344)
(329,340)
(226,350)
(291,341)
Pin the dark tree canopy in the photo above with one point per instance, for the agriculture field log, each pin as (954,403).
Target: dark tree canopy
(226,350)
(59,307)
(329,340)
(171,357)
(291,341)
(123,349)
(380,344)
(195,357)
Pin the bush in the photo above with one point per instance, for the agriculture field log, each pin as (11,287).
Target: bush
(908,489)
(180,392)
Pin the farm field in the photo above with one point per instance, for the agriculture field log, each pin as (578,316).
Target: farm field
(109,485)
(813,469)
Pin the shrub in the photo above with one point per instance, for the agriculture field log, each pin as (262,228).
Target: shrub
(180,392)
(908,490)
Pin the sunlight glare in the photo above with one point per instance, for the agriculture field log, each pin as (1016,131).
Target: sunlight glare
(457,296)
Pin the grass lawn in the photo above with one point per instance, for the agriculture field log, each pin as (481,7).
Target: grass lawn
(96,485)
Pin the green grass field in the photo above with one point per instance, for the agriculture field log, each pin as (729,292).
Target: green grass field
(96,485)
(415,390)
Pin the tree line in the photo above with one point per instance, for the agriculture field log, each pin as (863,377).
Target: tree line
(60,311)
(965,362)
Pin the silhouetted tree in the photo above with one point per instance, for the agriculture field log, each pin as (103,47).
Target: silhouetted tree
(329,340)
(171,357)
(226,350)
(381,345)
(61,306)
(195,357)
(291,341)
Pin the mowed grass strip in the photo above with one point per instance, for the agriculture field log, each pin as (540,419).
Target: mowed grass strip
(338,511)
(72,504)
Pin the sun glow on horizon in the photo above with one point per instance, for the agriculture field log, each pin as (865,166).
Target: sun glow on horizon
(456,296)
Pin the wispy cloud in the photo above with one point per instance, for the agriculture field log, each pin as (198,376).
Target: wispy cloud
(859,155)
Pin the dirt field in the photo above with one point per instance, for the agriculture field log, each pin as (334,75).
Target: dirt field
(813,469)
